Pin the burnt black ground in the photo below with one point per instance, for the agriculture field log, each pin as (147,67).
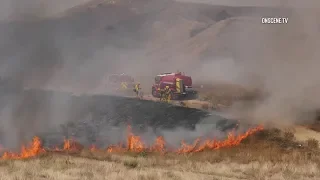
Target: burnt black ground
(98,119)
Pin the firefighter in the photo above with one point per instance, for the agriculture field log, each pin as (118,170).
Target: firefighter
(161,92)
(137,89)
(167,94)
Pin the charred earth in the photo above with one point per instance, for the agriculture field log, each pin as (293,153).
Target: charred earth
(100,119)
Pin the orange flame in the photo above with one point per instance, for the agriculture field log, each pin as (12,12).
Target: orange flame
(134,144)
(32,150)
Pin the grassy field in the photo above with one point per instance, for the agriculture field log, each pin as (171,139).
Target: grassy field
(270,154)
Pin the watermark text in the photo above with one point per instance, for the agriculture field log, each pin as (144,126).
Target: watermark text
(274,20)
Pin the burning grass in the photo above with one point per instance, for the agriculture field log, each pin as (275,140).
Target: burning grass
(268,154)
(135,144)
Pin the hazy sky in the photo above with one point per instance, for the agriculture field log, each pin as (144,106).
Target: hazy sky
(8,8)
(296,3)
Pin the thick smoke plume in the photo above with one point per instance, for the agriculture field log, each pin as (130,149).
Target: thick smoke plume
(42,49)
(279,59)
(32,52)
(73,52)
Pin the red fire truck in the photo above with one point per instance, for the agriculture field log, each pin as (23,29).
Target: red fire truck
(180,85)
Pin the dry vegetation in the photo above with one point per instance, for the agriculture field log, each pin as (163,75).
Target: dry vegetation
(270,154)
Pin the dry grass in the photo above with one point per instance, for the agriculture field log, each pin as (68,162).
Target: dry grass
(270,154)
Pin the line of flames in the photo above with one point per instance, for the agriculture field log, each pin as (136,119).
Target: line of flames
(134,144)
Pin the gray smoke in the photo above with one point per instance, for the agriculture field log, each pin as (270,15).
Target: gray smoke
(40,48)
(32,52)
(279,59)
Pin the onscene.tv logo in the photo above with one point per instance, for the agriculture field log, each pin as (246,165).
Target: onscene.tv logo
(274,20)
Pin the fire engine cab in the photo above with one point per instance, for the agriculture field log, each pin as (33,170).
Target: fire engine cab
(179,84)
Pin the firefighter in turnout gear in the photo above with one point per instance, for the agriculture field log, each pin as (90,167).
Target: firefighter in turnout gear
(162,94)
(137,89)
(167,94)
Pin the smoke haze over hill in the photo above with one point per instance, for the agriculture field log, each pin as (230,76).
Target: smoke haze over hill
(75,51)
